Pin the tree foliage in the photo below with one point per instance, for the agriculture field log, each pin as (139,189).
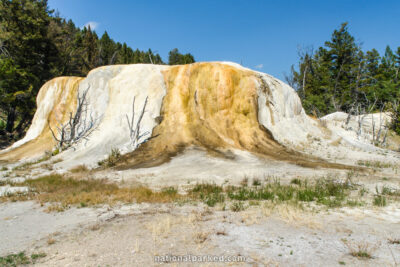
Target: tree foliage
(176,58)
(340,74)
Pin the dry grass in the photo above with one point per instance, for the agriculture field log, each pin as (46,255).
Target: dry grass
(95,227)
(51,241)
(336,142)
(79,169)
(376,164)
(361,250)
(394,241)
(201,237)
(64,192)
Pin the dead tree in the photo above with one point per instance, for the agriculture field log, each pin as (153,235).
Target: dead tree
(379,132)
(78,127)
(360,112)
(134,127)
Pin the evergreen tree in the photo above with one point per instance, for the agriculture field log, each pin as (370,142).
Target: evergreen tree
(107,50)
(342,52)
(340,76)
(176,58)
(91,53)
(28,63)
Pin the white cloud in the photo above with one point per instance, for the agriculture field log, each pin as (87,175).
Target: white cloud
(93,25)
(259,66)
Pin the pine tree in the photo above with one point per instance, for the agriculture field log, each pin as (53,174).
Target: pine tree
(91,53)
(343,55)
(176,58)
(27,64)
(107,50)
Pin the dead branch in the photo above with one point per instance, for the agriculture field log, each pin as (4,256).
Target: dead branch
(78,127)
(134,128)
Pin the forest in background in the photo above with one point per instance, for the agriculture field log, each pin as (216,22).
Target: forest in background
(36,45)
(340,76)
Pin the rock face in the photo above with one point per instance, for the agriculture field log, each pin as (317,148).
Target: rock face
(217,106)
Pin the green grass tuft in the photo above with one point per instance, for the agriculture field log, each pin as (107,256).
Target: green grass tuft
(18,259)
(111,160)
(380,201)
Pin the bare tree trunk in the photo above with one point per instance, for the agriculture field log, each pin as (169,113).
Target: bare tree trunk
(134,128)
(373,128)
(113,57)
(304,80)
(78,127)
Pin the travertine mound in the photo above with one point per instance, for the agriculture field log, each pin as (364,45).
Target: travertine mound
(218,106)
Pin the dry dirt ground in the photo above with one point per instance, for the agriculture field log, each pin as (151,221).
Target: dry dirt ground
(260,233)
(265,236)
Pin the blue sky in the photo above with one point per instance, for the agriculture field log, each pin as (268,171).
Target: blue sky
(262,35)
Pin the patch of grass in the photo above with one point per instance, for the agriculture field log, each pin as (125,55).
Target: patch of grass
(29,164)
(18,259)
(210,194)
(63,192)
(296,181)
(79,169)
(111,160)
(362,191)
(256,182)
(375,164)
(390,191)
(237,206)
(361,254)
(170,190)
(361,250)
(206,189)
(34,257)
(23,166)
(394,241)
(14,259)
(55,152)
(380,201)
(325,191)
(244,182)
(244,193)
(254,203)
(354,203)
(213,199)
(4,168)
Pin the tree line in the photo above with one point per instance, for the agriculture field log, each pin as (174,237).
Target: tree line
(340,76)
(36,45)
